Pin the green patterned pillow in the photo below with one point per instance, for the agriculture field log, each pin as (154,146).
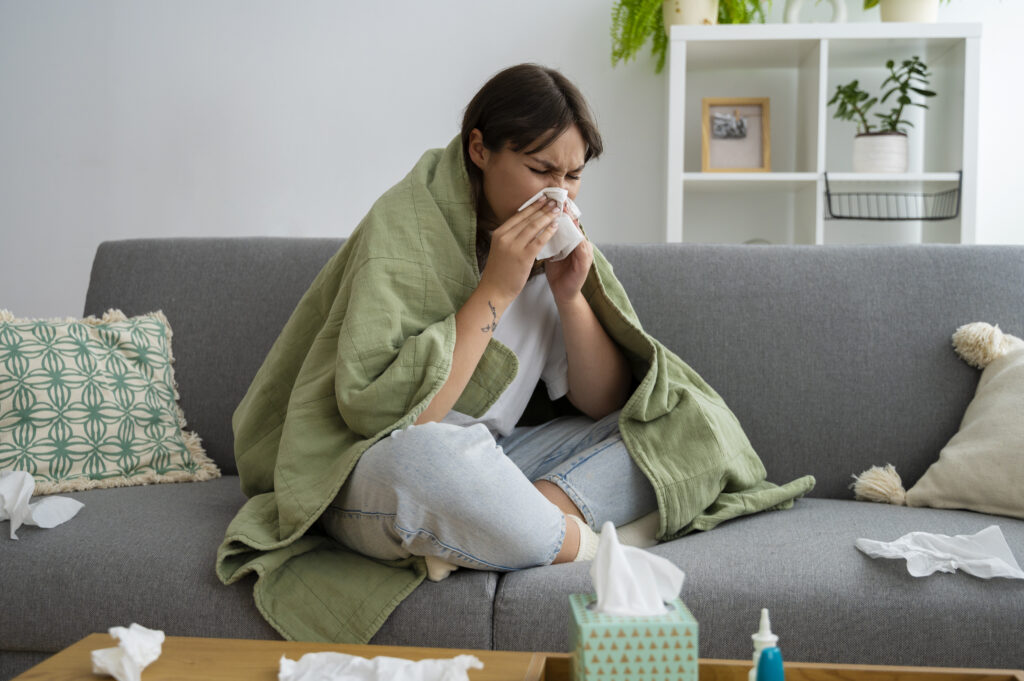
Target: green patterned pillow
(87,403)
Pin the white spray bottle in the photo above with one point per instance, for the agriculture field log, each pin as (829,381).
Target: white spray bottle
(764,638)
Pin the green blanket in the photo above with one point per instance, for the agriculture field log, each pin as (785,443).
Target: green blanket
(363,354)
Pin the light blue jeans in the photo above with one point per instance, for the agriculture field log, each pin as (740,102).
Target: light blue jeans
(457,493)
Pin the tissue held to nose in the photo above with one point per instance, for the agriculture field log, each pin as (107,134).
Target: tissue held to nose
(568,236)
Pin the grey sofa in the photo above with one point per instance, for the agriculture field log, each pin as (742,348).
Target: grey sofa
(834,359)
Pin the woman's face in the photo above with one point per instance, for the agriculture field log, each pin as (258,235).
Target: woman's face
(510,177)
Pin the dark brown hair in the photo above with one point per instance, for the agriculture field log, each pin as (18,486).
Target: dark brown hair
(527,107)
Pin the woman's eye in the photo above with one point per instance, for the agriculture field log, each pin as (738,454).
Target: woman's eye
(574,178)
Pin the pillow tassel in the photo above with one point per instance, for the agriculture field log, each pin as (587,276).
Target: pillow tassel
(979,343)
(883,485)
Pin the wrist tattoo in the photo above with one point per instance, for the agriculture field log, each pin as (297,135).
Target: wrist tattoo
(494,320)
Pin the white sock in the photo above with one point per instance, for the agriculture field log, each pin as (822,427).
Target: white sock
(438,568)
(641,533)
(588,540)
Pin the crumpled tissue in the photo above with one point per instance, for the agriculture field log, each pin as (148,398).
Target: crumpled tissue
(985,554)
(632,581)
(568,236)
(16,489)
(332,666)
(137,648)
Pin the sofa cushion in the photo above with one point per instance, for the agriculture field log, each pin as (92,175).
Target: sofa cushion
(982,467)
(146,555)
(90,403)
(834,358)
(826,599)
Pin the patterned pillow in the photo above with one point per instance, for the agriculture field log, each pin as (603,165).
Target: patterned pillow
(88,403)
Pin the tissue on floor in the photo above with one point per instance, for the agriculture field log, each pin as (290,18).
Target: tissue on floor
(331,666)
(137,648)
(984,554)
(568,236)
(16,489)
(659,640)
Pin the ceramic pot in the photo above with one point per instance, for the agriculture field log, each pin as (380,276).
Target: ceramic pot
(921,11)
(880,152)
(792,14)
(689,12)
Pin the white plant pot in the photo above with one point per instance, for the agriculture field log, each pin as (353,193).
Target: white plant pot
(689,12)
(880,152)
(793,7)
(920,11)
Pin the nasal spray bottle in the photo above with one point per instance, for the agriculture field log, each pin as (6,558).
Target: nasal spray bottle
(765,640)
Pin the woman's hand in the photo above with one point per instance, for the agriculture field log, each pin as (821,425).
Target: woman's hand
(514,249)
(566,276)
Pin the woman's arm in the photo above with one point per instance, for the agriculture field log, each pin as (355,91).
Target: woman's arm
(599,376)
(514,248)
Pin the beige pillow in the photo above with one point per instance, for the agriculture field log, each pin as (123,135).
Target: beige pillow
(982,466)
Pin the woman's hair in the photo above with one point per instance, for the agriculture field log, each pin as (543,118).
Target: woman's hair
(527,107)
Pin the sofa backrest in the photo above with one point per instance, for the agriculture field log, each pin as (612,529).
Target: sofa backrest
(833,358)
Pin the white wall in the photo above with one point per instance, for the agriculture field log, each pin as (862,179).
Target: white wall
(138,118)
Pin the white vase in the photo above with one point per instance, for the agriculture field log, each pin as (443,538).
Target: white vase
(920,11)
(792,14)
(689,12)
(880,152)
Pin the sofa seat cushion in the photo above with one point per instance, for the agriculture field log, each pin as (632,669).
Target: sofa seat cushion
(826,598)
(146,554)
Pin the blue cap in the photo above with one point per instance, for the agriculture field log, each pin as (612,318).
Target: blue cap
(769,665)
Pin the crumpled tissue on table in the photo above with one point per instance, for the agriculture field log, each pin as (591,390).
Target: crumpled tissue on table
(984,554)
(332,666)
(137,648)
(16,489)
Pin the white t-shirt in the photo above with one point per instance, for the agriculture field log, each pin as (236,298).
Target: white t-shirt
(532,330)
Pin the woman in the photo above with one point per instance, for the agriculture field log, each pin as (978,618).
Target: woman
(479,492)
(381,438)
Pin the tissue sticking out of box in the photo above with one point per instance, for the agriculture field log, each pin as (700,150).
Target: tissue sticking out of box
(137,648)
(16,488)
(632,581)
(332,666)
(568,236)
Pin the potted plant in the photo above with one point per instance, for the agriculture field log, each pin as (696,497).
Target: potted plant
(634,22)
(926,11)
(882,148)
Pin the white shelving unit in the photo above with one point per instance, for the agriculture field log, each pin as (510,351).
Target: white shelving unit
(798,66)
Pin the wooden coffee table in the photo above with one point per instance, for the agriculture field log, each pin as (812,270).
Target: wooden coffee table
(223,659)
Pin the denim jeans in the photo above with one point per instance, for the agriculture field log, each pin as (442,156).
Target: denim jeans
(457,493)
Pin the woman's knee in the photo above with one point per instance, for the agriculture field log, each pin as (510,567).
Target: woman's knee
(419,455)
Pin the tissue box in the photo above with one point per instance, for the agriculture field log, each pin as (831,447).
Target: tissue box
(616,647)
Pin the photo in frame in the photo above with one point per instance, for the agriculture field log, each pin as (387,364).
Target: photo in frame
(735,134)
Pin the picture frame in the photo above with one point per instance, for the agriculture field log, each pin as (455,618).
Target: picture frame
(735,135)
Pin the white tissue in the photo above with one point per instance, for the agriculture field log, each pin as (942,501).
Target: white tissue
(631,581)
(568,236)
(342,667)
(16,489)
(137,648)
(985,554)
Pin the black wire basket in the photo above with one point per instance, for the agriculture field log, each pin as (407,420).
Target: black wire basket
(889,206)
